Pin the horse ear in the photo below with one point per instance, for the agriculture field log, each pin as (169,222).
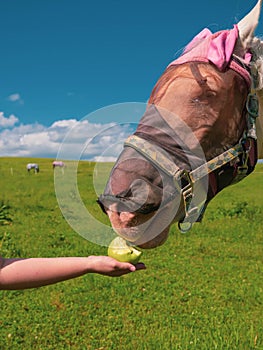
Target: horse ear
(246,28)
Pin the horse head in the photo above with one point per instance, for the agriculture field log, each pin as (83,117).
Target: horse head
(200,133)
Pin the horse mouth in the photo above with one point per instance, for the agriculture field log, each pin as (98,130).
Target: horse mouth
(137,237)
(136,230)
(130,234)
(151,232)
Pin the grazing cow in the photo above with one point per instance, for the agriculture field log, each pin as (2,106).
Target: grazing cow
(200,133)
(32,166)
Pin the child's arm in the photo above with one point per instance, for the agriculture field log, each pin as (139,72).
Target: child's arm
(37,272)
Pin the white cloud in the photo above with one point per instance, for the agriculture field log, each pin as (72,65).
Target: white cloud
(68,123)
(7,122)
(67,139)
(15,98)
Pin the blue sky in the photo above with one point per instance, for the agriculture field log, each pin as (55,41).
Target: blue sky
(63,60)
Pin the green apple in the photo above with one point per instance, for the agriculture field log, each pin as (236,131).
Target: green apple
(121,251)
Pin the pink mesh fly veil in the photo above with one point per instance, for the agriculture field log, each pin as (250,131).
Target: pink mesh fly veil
(216,48)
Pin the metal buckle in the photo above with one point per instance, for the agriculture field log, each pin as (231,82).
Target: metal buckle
(187,193)
(242,169)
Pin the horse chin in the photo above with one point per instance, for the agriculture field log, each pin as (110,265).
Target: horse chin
(156,241)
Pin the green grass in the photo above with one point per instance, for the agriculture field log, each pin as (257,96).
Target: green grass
(201,290)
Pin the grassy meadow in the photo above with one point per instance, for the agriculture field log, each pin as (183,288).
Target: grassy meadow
(202,290)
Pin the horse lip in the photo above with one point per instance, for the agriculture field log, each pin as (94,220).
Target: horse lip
(142,234)
(129,234)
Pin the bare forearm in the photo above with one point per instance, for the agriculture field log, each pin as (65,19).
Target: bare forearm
(36,272)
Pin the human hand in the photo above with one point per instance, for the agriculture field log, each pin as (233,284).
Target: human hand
(108,266)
